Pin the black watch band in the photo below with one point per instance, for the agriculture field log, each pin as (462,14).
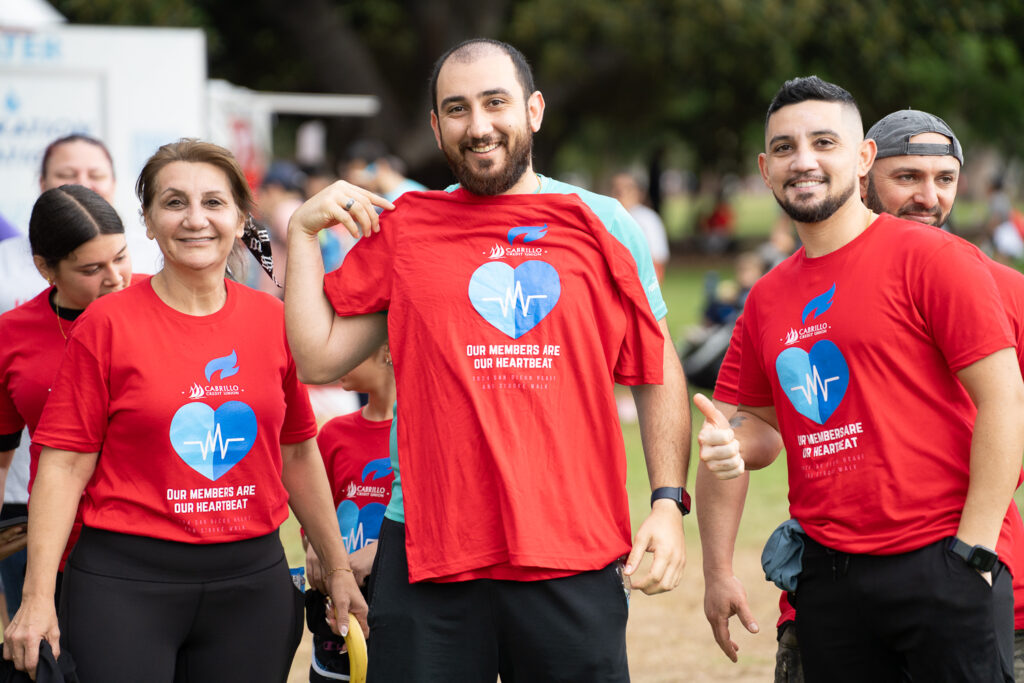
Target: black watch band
(676,493)
(978,557)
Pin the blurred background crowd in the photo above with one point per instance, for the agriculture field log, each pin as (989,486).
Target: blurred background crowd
(659,103)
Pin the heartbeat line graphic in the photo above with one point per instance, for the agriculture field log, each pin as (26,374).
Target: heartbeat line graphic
(355,539)
(213,440)
(512,298)
(813,385)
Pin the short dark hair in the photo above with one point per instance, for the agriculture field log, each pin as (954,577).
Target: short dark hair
(67,139)
(468,49)
(797,90)
(66,217)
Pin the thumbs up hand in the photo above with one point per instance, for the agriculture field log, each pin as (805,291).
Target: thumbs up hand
(719,449)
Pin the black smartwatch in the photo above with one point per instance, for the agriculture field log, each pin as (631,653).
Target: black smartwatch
(978,557)
(676,493)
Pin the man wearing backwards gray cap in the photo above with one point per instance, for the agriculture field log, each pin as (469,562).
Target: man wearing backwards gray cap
(917,167)
(811,157)
(915,177)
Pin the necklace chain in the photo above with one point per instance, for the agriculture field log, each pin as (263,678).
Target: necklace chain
(56,307)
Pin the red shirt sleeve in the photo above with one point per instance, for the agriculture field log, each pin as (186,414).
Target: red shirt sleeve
(755,387)
(363,282)
(75,417)
(727,385)
(299,420)
(971,295)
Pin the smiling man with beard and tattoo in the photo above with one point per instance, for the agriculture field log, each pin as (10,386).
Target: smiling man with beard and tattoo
(914,176)
(896,392)
(513,303)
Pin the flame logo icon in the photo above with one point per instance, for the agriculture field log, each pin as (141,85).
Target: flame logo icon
(225,365)
(529,233)
(818,305)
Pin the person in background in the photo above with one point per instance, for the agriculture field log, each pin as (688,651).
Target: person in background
(887,582)
(914,176)
(281,192)
(627,189)
(1004,225)
(370,165)
(72,159)
(177,410)
(717,228)
(317,178)
(355,452)
(78,247)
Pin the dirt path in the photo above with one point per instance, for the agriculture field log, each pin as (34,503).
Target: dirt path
(668,638)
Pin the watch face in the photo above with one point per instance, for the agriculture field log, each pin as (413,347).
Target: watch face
(673,493)
(982,559)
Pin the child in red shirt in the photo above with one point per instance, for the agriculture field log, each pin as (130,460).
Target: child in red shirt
(355,452)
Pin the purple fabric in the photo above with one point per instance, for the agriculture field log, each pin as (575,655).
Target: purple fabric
(7,230)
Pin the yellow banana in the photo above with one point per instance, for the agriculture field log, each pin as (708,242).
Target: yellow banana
(356,645)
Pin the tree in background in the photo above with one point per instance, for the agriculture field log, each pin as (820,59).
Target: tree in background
(624,79)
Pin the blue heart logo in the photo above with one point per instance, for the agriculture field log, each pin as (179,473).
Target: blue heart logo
(514,300)
(212,442)
(815,382)
(354,523)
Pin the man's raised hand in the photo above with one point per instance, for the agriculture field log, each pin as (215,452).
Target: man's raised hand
(719,449)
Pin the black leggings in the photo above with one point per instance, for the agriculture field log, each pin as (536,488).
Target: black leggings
(143,609)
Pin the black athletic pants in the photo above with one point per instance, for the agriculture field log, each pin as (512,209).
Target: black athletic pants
(567,629)
(142,609)
(921,616)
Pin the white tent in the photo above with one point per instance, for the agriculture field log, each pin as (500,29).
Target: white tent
(28,14)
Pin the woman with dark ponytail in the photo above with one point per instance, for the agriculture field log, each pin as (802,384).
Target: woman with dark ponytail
(78,246)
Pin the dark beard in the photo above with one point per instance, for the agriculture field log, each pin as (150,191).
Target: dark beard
(497,183)
(818,213)
(873,202)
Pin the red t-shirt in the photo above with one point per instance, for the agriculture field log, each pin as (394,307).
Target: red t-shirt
(1011,288)
(355,453)
(727,384)
(857,352)
(188,414)
(1011,536)
(509,320)
(32,346)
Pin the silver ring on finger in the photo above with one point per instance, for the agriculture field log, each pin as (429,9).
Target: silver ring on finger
(349,204)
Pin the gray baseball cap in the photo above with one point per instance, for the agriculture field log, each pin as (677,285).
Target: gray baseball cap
(892,135)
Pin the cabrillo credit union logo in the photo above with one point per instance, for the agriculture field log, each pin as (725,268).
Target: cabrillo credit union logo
(523,233)
(814,309)
(218,368)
